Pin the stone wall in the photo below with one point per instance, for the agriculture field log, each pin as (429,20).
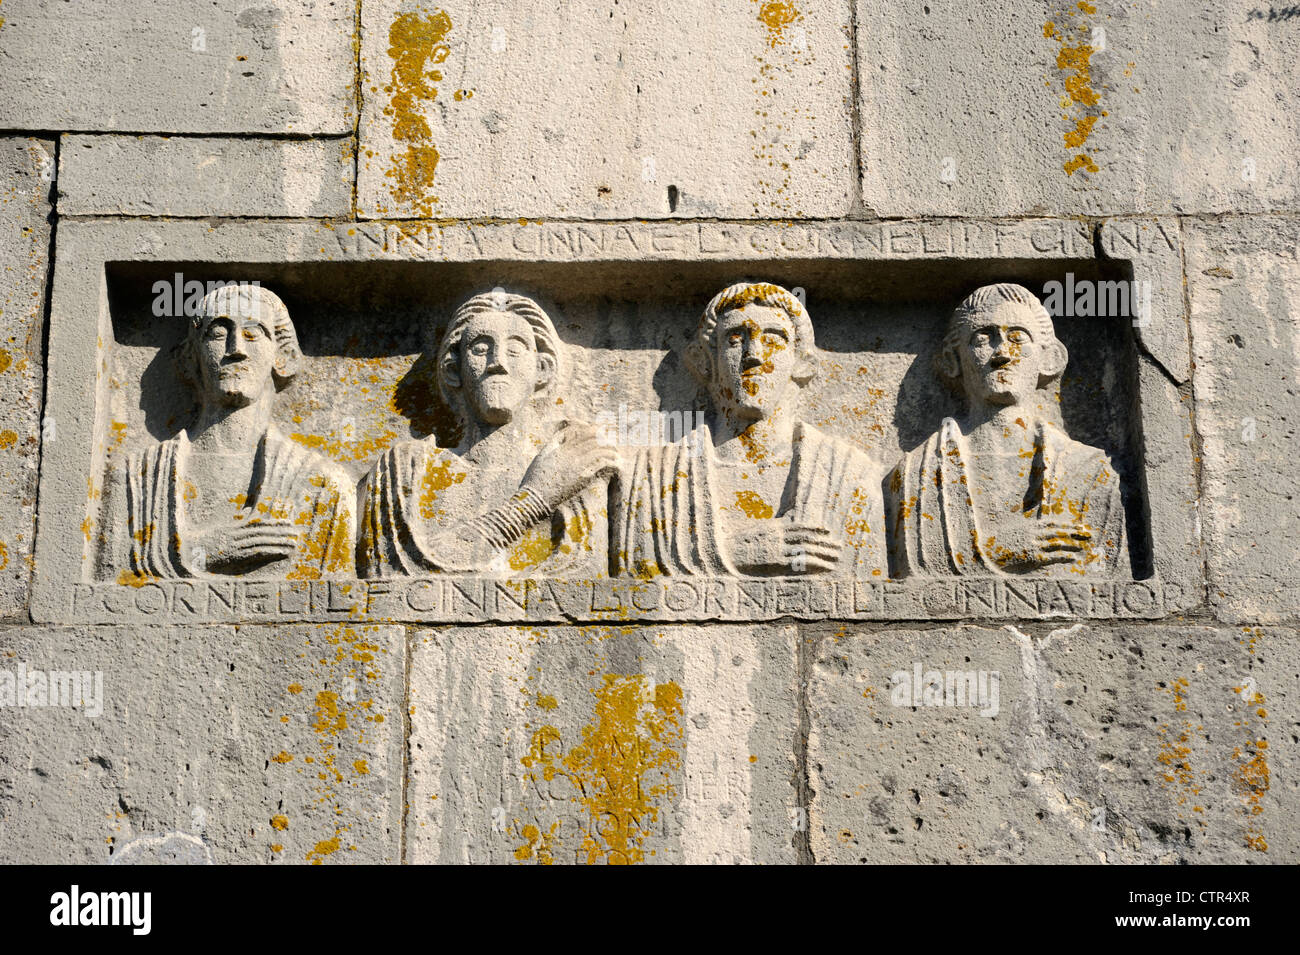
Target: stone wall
(376,162)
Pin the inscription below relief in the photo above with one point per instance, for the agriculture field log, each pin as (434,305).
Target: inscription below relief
(455,599)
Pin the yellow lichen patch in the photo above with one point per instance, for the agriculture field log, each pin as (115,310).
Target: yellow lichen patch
(621,771)
(282,757)
(295,688)
(753,505)
(1081,98)
(325,848)
(328,718)
(280,823)
(5,360)
(129,578)
(416,43)
(438,476)
(538,844)
(776,16)
(7,439)
(546,701)
(361,767)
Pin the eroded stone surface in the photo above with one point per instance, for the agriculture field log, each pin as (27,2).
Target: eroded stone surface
(266,744)
(185,176)
(1070,107)
(26,172)
(1243,281)
(1114,744)
(591,110)
(603,745)
(220,67)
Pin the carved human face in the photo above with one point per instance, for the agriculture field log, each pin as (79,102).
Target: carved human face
(1001,356)
(755,356)
(236,355)
(499,366)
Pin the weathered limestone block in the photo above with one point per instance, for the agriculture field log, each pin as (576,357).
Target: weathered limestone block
(1244,282)
(1083,744)
(591,110)
(26,170)
(603,745)
(181,66)
(183,176)
(264,744)
(1071,107)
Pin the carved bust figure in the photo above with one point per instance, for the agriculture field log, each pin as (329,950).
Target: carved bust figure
(522,493)
(1003,490)
(230,495)
(755,491)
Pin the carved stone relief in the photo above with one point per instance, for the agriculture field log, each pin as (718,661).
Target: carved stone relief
(230,495)
(756,491)
(1004,490)
(903,460)
(521,494)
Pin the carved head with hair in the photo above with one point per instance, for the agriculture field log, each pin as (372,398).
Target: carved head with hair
(753,341)
(500,352)
(1000,346)
(240,344)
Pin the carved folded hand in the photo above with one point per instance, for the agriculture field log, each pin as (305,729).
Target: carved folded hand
(779,546)
(570,461)
(1023,545)
(240,546)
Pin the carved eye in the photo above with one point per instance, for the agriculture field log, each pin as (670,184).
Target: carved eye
(734,338)
(517,349)
(980,339)
(1019,336)
(773,338)
(252,333)
(215,332)
(479,349)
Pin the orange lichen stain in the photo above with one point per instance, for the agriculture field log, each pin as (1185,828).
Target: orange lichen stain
(328,847)
(295,688)
(753,505)
(1250,775)
(282,757)
(5,360)
(328,718)
(129,578)
(416,42)
(621,771)
(438,476)
(753,758)
(1081,98)
(280,823)
(277,847)
(776,16)
(539,845)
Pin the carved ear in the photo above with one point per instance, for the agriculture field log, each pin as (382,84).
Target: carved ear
(949,363)
(545,371)
(288,359)
(1054,358)
(451,370)
(805,369)
(699,362)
